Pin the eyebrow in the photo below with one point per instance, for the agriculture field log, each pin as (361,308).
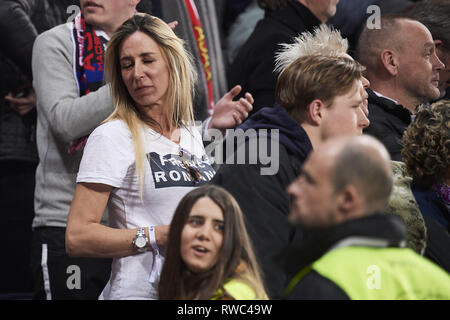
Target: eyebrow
(307,175)
(143,55)
(428,45)
(203,217)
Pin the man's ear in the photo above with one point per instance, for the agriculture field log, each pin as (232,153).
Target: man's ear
(349,203)
(389,59)
(315,111)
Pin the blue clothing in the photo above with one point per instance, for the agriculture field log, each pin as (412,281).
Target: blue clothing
(292,135)
(436,216)
(431,204)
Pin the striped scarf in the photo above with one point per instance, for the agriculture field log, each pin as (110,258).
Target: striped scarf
(89,49)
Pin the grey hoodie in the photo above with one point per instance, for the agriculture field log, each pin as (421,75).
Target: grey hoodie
(63,116)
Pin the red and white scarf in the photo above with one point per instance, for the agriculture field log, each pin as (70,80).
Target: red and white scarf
(89,51)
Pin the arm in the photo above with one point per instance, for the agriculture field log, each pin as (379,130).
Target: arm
(68,115)
(86,237)
(18,33)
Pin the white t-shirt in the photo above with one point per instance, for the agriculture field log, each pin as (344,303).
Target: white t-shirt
(109,158)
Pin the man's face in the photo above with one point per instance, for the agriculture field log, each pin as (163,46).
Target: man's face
(444,76)
(418,65)
(106,14)
(313,201)
(323,9)
(345,116)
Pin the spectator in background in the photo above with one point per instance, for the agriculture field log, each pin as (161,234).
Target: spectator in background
(20,23)
(71,102)
(426,153)
(240,19)
(403,70)
(283,20)
(312,108)
(209,254)
(354,252)
(434,14)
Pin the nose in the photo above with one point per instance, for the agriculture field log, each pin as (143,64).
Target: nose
(138,71)
(363,121)
(437,63)
(365,82)
(291,189)
(204,232)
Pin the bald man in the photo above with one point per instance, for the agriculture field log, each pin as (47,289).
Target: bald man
(434,15)
(354,252)
(403,69)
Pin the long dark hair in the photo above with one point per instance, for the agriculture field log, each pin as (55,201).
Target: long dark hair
(177,281)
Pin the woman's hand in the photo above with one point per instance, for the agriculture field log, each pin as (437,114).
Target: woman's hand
(173,24)
(228,113)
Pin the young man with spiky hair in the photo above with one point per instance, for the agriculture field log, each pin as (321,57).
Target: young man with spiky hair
(318,97)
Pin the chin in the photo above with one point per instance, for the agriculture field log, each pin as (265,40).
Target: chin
(91,18)
(436,94)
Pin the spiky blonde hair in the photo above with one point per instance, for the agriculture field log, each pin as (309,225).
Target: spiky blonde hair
(324,40)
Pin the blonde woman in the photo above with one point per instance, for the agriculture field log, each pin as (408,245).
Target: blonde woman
(141,161)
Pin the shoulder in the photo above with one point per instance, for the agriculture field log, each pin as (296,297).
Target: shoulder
(239,290)
(114,129)
(316,287)
(61,32)
(58,37)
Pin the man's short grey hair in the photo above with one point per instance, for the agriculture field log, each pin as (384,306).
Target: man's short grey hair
(324,40)
(365,163)
(434,14)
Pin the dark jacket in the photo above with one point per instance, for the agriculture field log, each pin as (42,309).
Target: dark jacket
(437,218)
(20,23)
(263,198)
(313,286)
(254,64)
(388,122)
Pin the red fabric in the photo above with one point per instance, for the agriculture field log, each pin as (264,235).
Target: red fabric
(202,50)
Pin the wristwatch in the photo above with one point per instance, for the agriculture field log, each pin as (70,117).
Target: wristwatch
(140,242)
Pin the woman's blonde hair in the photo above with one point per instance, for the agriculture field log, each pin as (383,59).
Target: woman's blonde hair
(180,92)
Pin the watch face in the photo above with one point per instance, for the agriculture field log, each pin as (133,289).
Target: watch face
(140,242)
